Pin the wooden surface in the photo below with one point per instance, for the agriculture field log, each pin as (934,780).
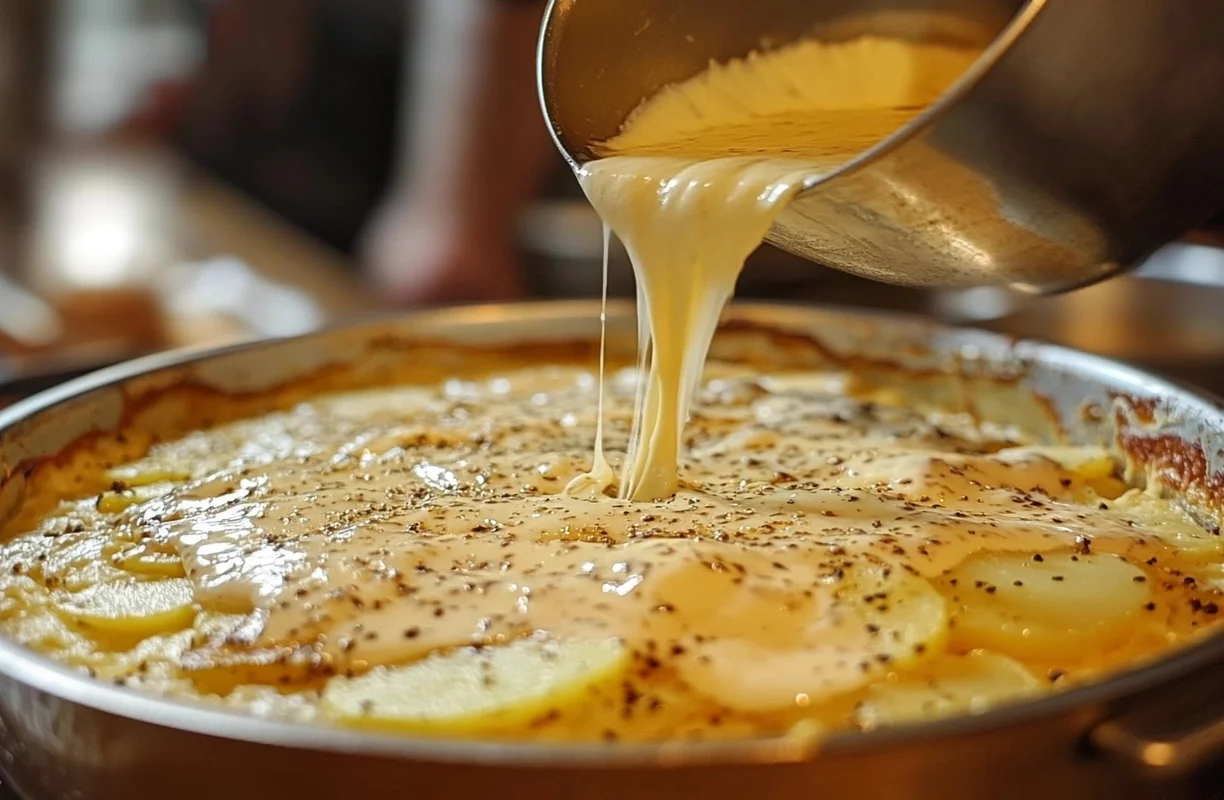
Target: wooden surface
(119,241)
(218,220)
(116,234)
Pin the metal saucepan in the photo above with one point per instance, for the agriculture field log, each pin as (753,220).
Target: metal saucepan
(1087,135)
(1156,732)
(1163,316)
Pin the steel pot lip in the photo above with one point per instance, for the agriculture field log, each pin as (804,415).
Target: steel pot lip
(983,65)
(35,671)
(991,54)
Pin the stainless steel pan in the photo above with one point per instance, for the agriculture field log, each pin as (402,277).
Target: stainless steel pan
(1086,136)
(1153,733)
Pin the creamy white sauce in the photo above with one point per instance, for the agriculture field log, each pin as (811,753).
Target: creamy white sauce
(700,172)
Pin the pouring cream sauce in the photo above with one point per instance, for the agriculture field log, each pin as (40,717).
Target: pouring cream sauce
(698,175)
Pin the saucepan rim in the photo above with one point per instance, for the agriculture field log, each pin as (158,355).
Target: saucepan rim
(40,673)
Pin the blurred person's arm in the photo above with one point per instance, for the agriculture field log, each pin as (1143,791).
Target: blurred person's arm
(476,153)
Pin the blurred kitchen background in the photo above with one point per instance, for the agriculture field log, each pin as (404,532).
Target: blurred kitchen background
(191,172)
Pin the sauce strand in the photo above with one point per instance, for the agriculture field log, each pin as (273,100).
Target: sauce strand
(696,179)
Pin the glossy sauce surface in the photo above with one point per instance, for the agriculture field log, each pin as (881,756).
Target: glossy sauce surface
(822,559)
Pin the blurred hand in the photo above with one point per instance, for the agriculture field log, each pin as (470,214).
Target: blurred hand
(418,257)
(446,232)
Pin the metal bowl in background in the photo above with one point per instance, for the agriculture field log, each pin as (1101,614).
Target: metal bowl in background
(1167,316)
(1153,733)
(1086,136)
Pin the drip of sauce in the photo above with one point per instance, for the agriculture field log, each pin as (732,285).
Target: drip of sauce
(601,476)
(699,174)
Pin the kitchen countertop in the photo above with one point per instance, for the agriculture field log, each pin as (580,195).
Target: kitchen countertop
(135,250)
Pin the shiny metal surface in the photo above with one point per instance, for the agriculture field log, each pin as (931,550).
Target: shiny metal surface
(1087,135)
(1164,316)
(65,736)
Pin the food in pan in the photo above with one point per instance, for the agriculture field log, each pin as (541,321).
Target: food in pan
(842,552)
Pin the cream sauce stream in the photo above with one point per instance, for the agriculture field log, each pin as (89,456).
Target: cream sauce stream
(700,173)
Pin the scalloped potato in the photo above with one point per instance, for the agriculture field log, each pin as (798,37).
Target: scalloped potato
(418,559)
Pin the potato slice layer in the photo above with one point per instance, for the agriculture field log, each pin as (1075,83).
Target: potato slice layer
(475,690)
(133,477)
(119,615)
(878,619)
(1086,463)
(149,562)
(961,684)
(1044,606)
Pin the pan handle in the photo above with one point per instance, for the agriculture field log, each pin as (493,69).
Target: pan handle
(1171,756)
(1170,732)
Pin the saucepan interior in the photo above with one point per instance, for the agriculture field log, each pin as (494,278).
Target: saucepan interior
(1167,434)
(600,60)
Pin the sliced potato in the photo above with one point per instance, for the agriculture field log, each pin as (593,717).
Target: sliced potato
(911,616)
(878,619)
(130,486)
(1107,488)
(135,476)
(474,690)
(149,562)
(959,684)
(1044,606)
(1091,471)
(1172,524)
(120,498)
(119,615)
(75,562)
(1085,463)
(220,671)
